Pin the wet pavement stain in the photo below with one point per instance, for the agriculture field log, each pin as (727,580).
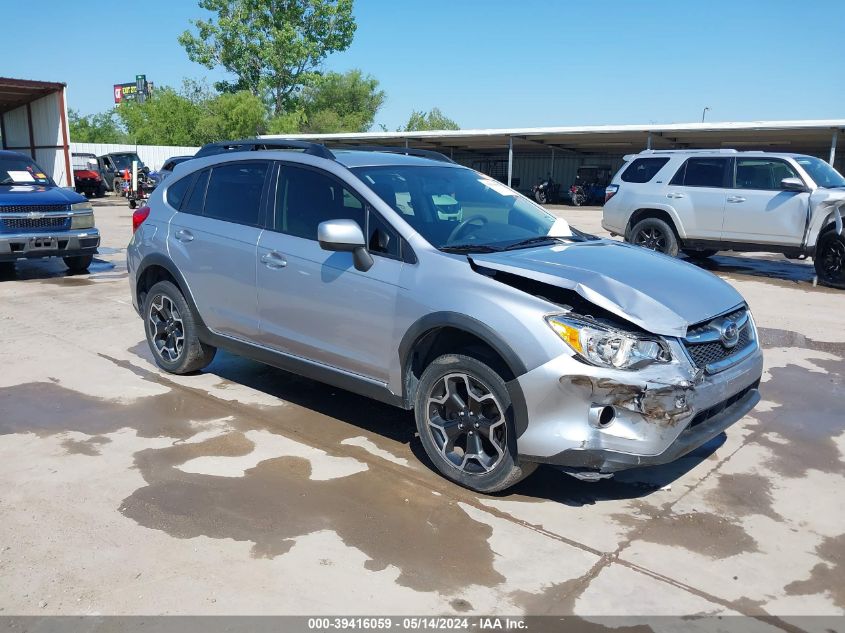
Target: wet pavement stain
(743,494)
(827,576)
(90,446)
(393,521)
(789,272)
(723,538)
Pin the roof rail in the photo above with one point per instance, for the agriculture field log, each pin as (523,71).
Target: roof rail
(258,144)
(716,150)
(407,151)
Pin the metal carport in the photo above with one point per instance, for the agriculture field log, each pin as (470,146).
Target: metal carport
(33,120)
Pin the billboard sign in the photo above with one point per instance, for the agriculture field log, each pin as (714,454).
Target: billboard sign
(138,90)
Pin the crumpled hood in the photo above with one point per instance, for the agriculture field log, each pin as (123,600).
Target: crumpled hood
(38,194)
(660,294)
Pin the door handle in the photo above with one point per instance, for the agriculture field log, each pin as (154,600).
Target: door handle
(675,194)
(274,260)
(183,235)
(736,199)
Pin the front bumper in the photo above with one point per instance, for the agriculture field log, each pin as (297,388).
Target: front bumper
(48,244)
(661,412)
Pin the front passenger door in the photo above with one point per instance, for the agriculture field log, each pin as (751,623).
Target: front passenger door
(314,303)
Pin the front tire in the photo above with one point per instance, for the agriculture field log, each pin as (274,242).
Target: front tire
(654,234)
(78,263)
(540,196)
(173,332)
(829,259)
(465,422)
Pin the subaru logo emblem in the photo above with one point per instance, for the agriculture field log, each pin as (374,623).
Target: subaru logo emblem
(729,333)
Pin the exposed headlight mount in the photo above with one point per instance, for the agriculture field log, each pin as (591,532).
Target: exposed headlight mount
(604,346)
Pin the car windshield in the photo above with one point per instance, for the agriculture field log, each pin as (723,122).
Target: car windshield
(821,172)
(124,161)
(18,170)
(460,209)
(84,162)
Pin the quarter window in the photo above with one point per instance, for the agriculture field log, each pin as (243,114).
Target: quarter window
(643,169)
(194,202)
(762,173)
(305,198)
(702,172)
(234,192)
(176,192)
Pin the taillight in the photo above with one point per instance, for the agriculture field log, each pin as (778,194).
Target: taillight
(610,191)
(138,217)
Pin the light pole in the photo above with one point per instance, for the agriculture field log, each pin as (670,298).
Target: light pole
(704,113)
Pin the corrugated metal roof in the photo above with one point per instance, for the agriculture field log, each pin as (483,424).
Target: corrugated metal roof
(17,92)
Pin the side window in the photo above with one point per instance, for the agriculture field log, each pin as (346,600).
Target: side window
(194,202)
(643,169)
(762,173)
(305,197)
(702,172)
(381,238)
(234,192)
(177,190)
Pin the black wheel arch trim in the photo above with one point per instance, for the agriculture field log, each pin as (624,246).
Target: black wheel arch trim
(460,321)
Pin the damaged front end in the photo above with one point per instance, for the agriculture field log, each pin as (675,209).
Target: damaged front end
(618,395)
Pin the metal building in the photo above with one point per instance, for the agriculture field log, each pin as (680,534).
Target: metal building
(33,120)
(523,155)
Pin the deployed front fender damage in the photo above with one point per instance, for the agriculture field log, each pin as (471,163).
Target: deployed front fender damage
(826,206)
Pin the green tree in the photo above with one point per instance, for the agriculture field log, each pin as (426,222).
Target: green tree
(95,128)
(432,120)
(230,116)
(341,102)
(166,118)
(273,47)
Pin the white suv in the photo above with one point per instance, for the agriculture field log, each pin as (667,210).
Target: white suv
(704,201)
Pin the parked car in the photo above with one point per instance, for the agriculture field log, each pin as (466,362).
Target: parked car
(40,219)
(112,167)
(700,202)
(167,167)
(515,339)
(86,175)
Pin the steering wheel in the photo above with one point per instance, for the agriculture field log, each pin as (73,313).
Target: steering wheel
(463,225)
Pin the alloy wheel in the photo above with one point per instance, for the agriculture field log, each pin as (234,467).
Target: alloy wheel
(467,423)
(652,239)
(833,261)
(166,328)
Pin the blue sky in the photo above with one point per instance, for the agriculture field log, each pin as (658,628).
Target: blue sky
(492,63)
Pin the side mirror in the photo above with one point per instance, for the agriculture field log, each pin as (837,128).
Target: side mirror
(792,184)
(345,236)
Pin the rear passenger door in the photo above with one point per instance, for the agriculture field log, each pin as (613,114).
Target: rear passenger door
(758,210)
(314,303)
(697,192)
(213,240)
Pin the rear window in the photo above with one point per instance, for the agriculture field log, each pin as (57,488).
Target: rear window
(702,172)
(643,169)
(234,192)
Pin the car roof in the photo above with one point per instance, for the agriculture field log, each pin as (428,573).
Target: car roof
(356,158)
(11,153)
(712,152)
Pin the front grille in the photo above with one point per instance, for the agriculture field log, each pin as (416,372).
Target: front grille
(702,327)
(36,208)
(704,354)
(30,224)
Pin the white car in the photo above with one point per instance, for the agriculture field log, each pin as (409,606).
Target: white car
(703,201)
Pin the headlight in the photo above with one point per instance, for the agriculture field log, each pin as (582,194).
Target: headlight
(82,206)
(606,347)
(82,221)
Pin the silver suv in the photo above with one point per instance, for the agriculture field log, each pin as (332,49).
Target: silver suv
(514,338)
(704,201)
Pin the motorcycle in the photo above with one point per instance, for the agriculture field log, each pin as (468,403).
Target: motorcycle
(546,191)
(577,195)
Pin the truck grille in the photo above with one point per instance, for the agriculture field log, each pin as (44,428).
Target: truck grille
(706,348)
(36,208)
(17,225)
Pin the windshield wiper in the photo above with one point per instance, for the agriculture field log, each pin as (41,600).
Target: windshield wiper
(540,239)
(469,248)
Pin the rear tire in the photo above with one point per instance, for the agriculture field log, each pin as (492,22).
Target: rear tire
(101,190)
(654,234)
(468,435)
(829,259)
(78,263)
(117,186)
(703,254)
(173,332)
